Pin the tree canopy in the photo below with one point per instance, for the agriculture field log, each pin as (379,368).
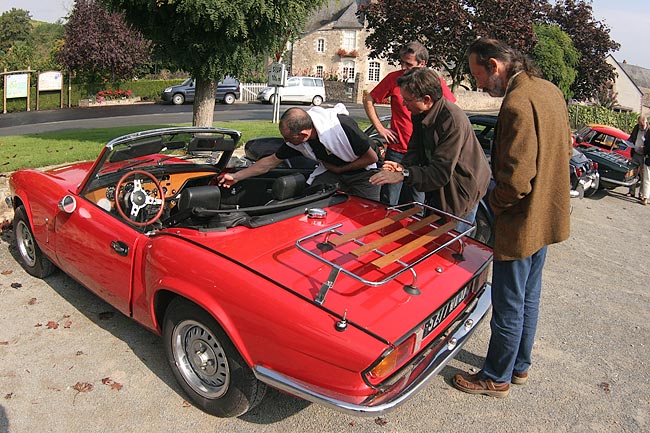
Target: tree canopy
(591,38)
(214,38)
(100,45)
(15,26)
(448,27)
(556,57)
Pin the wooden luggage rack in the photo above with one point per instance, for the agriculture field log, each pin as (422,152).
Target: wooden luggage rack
(428,228)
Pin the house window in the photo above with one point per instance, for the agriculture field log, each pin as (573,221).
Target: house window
(348,70)
(349,40)
(319,71)
(320,46)
(373,71)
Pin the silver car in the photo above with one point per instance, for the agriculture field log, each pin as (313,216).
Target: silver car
(308,90)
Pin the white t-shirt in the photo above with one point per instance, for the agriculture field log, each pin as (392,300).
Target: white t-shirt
(640,139)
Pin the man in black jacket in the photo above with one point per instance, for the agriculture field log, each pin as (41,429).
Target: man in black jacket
(640,133)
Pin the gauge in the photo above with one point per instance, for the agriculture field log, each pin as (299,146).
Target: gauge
(110,193)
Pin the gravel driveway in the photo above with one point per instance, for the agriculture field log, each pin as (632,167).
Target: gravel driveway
(71,363)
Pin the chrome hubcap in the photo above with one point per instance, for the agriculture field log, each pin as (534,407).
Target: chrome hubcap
(201,359)
(25,243)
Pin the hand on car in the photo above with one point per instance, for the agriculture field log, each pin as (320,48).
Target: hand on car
(227,180)
(389,135)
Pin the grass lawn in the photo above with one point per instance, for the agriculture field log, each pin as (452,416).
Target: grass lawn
(53,148)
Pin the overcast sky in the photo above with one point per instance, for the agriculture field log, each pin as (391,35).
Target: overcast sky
(629,21)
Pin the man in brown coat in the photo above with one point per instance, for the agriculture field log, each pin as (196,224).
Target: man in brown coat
(530,201)
(444,158)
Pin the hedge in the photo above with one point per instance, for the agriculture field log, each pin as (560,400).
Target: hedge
(147,90)
(581,115)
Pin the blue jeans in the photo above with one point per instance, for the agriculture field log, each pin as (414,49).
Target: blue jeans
(516,289)
(390,193)
(470,217)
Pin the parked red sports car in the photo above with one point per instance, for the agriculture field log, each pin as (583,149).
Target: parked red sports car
(329,297)
(605,138)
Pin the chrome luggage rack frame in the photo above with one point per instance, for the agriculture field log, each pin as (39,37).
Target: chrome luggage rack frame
(394,214)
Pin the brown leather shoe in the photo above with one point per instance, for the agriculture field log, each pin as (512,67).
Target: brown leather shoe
(472,384)
(519,378)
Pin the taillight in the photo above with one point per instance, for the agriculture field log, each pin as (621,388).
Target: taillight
(595,166)
(392,361)
(579,172)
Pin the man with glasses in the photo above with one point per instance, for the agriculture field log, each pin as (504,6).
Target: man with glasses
(444,158)
(329,136)
(412,55)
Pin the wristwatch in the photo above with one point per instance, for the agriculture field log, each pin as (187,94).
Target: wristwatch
(406,173)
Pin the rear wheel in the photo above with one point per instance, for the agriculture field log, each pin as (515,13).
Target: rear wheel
(229,99)
(317,100)
(32,258)
(178,99)
(206,364)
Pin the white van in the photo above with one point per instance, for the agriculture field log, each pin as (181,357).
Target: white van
(310,90)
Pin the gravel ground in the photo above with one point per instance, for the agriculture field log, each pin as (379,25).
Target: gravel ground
(100,372)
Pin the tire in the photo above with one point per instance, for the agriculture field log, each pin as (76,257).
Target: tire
(591,191)
(483,232)
(229,99)
(32,258)
(178,99)
(206,364)
(272,99)
(317,100)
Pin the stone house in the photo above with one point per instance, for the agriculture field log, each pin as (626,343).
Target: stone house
(632,86)
(333,47)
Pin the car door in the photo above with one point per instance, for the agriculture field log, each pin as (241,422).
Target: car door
(292,92)
(98,250)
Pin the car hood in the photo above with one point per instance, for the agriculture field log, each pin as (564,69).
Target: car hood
(271,251)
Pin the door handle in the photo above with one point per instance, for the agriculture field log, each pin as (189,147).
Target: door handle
(120,248)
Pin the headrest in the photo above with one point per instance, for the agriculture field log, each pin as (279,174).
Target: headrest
(289,186)
(207,196)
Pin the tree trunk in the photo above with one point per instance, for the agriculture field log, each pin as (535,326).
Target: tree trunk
(203,110)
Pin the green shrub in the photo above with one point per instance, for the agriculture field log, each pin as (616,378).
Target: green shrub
(581,115)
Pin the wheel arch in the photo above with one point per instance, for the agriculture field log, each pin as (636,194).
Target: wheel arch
(166,295)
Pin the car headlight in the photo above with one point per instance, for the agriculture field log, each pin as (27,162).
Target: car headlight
(169,89)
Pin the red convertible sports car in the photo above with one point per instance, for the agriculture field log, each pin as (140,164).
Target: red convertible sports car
(332,298)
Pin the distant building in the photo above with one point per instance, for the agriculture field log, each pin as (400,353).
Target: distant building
(632,86)
(334,47)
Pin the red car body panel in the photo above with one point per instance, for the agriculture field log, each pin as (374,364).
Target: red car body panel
(259,286)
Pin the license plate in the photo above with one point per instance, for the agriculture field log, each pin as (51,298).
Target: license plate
(443,312)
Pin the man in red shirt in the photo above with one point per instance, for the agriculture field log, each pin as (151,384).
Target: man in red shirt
(412,55)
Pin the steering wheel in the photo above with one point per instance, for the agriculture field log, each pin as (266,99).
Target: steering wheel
(139,198)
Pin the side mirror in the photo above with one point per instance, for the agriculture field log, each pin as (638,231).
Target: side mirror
(68,204)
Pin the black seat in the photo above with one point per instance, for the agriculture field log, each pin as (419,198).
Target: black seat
(289,186)
(206,196)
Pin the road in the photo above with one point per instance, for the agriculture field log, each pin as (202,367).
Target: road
(139,114)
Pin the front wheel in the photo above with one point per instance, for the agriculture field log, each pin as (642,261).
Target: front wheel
(178,99)
(317,100)
(32,258)
(272,99)
(206,364)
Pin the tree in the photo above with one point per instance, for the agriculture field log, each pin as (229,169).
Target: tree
(591,39)
(100,45)
(448,27)
(15,26)
(214,38)
(556,57)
